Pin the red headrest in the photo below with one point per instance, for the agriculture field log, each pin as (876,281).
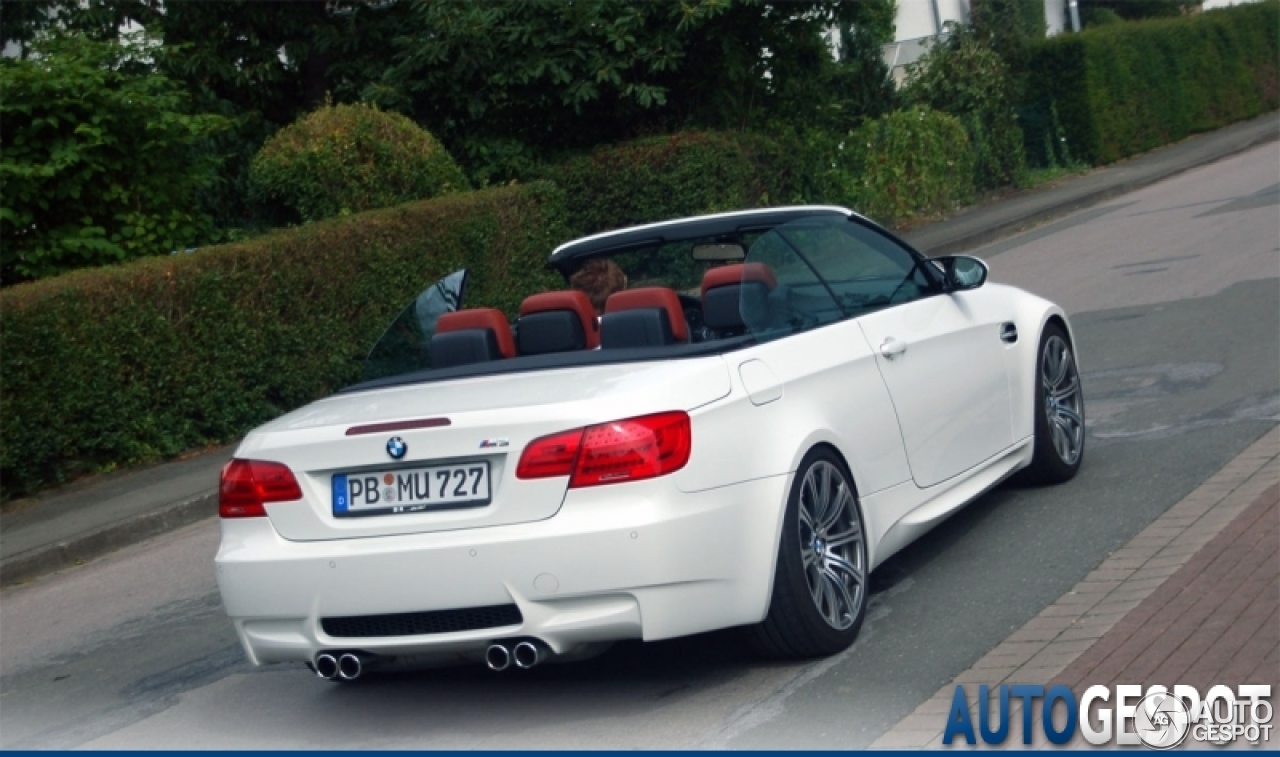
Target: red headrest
(651,297)
(480,318)
(573,300)
(736,274)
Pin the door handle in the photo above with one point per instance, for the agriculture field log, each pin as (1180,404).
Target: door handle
(892,348)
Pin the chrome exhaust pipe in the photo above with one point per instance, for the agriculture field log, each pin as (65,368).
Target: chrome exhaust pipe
(326,666)
(530,653)
(497,657)
(350,666)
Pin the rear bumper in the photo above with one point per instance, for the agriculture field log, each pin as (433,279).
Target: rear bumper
(640,560)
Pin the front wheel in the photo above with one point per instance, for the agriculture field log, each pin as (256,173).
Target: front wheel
(820,584)
(1059,409)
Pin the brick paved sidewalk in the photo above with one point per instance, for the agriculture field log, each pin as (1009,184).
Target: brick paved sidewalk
(1217,620)
(1193,599)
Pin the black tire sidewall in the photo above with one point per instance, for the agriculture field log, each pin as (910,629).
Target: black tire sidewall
(790,576)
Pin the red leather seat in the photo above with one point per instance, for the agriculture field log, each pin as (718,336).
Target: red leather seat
(557,322)
(646,317)
(471,336)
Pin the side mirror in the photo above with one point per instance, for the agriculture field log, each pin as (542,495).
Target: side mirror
(963,272)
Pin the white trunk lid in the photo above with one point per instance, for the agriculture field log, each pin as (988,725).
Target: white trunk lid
(513,408)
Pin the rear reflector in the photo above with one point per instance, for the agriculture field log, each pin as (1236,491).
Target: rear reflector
(550,456)
(247,485)
(627,450)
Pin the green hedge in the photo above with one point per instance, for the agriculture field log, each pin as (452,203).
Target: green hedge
(910,163)
(685,174)
(903,165)
(1125,88)
(140,361)
(350,158)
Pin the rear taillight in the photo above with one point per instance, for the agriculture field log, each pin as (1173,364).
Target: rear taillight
(610,453)
(247,485)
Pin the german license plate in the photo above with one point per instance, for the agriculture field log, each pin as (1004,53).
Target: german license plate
(411,490)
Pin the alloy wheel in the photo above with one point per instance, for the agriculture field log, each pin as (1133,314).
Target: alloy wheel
(831,545)
(1062,399)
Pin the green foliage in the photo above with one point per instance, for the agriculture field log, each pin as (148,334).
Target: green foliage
(1134,10)
(910,163)
(136,362)
(504,86)
(1099,15)
(1043,139)
(685,174)
(100,161)
(1125,88)
(351,158)
(497,81)
(1009,27)
(965,77)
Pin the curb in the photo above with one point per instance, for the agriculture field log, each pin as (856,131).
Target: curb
(33,563)
(967,240)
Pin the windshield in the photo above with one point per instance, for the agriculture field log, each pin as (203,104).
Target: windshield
(405,345)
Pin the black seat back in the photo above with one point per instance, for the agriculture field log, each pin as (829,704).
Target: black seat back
(647,317)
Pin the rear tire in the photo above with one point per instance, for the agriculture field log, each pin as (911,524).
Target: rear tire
(820,584)
(1059,411)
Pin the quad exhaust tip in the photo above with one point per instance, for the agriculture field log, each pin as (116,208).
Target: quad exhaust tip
(497,657)
(350,667)
(529,654)
(326,666)
(524,654)
(343,666)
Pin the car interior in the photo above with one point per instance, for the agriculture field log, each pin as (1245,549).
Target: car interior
(687,297)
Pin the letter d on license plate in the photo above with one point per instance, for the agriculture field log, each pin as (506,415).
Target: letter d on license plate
(411,490)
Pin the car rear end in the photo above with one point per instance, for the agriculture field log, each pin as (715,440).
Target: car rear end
(427,522)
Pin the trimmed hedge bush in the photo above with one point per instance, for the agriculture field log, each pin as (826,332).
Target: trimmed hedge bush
(135,362)
(906,164)
(910,163)
(1124,88)
(350,158)
(684,174)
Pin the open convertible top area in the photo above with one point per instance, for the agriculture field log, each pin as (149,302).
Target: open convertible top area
(677,289)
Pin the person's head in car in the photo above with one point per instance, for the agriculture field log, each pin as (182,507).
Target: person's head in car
(598,279)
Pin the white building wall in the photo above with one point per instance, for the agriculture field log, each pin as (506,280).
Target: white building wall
(1055,17)
(915,18)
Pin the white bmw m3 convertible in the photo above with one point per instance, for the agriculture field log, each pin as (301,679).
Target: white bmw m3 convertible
(780,400)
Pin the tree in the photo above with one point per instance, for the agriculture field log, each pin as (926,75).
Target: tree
(546,76)
(1009,27)
(100,159)
(965,77)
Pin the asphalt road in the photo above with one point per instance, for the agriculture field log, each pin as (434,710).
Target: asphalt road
(1174,293)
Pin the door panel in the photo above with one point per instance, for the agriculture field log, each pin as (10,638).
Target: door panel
(944,364)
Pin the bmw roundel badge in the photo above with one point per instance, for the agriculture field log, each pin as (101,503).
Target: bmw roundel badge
(396,447)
